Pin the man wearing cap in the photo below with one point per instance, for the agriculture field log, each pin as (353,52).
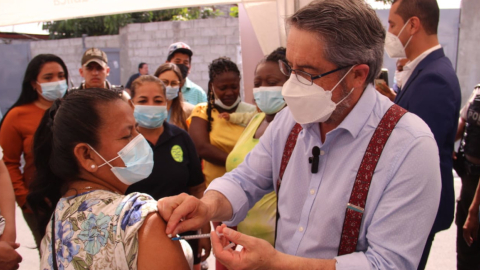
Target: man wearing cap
(95,70)
(180,53)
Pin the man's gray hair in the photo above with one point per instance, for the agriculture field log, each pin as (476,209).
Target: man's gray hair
(350,29)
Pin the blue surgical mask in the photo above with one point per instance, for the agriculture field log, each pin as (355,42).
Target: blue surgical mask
(172,92)
(150,116)
(138,158)
(269,99)
(54,90)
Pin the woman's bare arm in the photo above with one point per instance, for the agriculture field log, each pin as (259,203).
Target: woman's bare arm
(201,138)
(7,204)
(155,250)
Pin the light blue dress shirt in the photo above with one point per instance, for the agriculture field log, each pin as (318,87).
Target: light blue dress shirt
(193,93)
(402,202)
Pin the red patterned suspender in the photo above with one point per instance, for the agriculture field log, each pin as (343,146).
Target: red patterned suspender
(358,197)
(287,153)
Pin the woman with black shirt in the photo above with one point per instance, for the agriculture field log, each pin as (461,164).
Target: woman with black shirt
(177,168)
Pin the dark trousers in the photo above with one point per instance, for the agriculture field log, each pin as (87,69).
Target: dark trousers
(468,257)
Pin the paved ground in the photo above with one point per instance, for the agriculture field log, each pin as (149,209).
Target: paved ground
(442,256)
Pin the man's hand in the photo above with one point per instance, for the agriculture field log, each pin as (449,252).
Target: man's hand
(256,253)
(9,258)
(183,213)
(470,228)
(385,90)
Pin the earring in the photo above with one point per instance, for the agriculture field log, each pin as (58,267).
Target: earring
(93,166)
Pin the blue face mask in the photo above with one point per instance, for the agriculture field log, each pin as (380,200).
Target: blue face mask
(138,158)
(269,99)
(172,92)
(53,90)
(150,116)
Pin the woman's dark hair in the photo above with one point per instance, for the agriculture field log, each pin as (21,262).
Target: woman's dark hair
(71,120)
(217,67)
(28,94)
(278,54)
(178,115)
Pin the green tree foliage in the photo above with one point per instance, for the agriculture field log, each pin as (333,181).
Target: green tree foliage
(111,24)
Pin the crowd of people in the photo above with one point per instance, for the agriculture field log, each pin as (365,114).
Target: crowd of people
(329,169)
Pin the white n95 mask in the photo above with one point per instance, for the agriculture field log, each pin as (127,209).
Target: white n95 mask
(393,45)
(138,158)
(310,103)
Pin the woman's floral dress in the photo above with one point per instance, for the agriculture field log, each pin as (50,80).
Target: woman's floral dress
(96,230)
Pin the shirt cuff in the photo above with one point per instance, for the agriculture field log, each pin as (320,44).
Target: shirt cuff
(235,195)
(353,261)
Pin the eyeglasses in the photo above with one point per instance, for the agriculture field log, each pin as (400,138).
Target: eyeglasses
(171,83)
(302,76)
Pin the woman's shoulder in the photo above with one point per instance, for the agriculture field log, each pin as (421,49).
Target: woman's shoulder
(200,110)
(91,224)
(23,110)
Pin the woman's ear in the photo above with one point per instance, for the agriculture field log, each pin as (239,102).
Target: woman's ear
(85,157)
(34,85)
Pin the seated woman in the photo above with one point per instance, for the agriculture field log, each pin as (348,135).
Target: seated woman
(87,152)
(178,110)
(176,166)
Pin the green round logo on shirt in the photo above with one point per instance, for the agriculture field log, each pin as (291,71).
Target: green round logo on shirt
(177,153)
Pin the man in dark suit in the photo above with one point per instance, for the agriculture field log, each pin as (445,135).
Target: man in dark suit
(430,90)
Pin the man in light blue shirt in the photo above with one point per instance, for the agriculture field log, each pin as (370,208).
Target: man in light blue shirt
(181,53)
(334,53)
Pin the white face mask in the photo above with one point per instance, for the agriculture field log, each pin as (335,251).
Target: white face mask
(310,103)
(54,90)
(269,98)
(394,46)
(138,158)
(220,104)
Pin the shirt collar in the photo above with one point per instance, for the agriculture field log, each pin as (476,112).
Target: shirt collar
(411,65)
(358,116)
(188,83)
(169,131)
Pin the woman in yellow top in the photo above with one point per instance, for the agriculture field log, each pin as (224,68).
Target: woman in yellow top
(268,82)
(215,137)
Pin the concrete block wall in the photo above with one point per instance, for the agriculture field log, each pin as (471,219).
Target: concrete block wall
(208,38)
(148,42)
(71,51)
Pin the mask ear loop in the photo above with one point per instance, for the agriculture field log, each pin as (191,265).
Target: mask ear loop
(341,81)
(106,162)
(401,30)
(335,87)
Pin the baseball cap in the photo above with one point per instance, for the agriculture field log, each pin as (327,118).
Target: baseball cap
(94,55)
(180,47)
